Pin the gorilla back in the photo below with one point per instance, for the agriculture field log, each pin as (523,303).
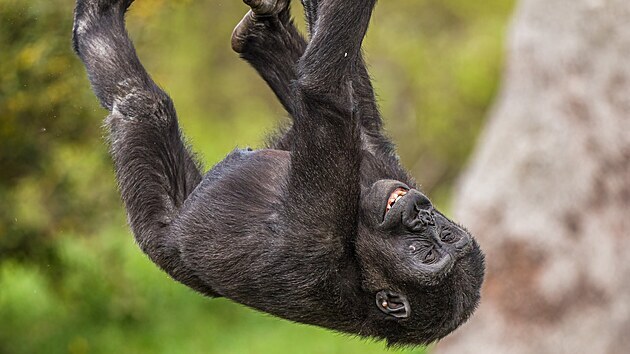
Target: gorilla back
(323,226)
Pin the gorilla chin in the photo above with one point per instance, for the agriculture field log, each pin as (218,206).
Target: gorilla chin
(425,273)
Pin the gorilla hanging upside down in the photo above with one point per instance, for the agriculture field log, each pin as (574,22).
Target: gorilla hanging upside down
(323,226)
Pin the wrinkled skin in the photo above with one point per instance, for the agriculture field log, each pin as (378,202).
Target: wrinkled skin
(321,227)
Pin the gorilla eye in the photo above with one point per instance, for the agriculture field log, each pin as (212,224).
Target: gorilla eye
(431,256)
(447,236)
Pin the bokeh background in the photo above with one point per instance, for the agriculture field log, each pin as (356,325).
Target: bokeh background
(71,278)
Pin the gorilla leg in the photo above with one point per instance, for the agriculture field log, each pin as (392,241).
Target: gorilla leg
(270,42)
(154,168)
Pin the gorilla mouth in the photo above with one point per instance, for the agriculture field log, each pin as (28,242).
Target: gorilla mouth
(394,197)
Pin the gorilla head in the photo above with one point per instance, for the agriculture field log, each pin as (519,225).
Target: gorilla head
(423,270)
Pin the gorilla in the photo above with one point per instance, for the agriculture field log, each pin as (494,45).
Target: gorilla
(323,226)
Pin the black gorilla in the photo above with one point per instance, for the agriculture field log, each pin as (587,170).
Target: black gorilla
(322,227)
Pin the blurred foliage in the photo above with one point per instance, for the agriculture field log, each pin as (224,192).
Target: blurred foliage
(436,65)
(71,279)
(49,155)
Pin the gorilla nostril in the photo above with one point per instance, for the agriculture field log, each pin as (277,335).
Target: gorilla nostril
(426,218)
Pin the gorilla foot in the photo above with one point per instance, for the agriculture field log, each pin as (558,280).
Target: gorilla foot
(259,9)
(239,35)
(267,7)
(88,14)
(98,7)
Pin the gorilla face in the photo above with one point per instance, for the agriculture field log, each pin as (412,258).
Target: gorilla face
(424,271)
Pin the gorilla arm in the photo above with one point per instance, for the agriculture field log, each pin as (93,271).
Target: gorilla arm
(295,213)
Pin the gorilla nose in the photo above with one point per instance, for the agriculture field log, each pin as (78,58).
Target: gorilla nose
(426,218)
(419,211)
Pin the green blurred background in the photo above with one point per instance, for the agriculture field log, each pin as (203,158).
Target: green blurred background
(71,278)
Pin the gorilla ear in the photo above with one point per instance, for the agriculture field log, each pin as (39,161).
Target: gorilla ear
(393,304)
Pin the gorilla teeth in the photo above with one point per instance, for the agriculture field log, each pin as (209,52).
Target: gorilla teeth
(394,197)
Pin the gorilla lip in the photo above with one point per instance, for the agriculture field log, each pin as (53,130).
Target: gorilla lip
(394,197)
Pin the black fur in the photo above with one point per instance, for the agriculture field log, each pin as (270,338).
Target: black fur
(299,229)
